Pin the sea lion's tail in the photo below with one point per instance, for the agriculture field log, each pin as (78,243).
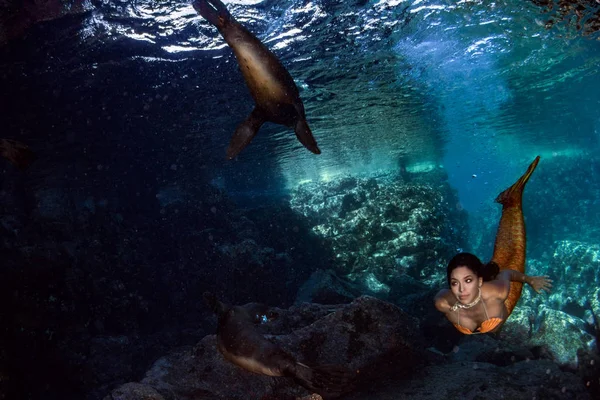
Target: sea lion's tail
(17,153)
(512,196)
(213,11)
(326,380)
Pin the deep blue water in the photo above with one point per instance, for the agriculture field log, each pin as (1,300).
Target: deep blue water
(129,106)
(478,89)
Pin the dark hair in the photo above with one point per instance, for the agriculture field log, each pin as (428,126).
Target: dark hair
(486,271)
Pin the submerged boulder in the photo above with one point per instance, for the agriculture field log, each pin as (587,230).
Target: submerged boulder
(525,380)
(385,229)
(325,287)
(575,268)
(370,336)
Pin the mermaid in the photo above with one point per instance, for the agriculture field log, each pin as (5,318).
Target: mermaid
(481,297)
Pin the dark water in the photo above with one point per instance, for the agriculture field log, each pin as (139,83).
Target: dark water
(129,106)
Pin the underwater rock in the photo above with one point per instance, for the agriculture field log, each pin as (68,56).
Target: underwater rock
(549,333)
(575,259)
(384,229)
(133,391)
(589,371)
(487,349)
(525,380)
(562,335)
(325,287)
(575,15)
(502,355)
(368,335)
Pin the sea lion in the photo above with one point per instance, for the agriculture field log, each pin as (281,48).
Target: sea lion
(17,153)
(509,248)
(242,344)
(275,94)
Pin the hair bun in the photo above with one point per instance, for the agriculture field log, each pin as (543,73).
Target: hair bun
(489,271)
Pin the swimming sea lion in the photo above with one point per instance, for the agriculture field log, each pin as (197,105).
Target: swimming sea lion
(275,94)
(242,344)
(16,152)
(509,248)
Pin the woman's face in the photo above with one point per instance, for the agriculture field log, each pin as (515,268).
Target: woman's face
(465,284)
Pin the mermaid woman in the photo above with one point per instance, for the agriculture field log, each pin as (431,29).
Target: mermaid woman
(481,296)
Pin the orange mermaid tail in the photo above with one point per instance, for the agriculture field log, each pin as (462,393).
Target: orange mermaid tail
(509,249)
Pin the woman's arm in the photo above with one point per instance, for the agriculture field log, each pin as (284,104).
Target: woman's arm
(444,300)
(538,283)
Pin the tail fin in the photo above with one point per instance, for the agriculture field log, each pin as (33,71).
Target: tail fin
(326,380)
(305,136)
(17,153)
(512,195)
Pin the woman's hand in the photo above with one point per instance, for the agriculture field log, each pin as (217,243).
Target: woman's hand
(539,283)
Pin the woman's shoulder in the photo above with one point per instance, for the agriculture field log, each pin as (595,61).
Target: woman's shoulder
(442,300)
(496,289)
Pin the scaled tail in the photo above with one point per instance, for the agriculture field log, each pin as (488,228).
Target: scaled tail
(329,381)
(511,242)
(513,195)
(17,153)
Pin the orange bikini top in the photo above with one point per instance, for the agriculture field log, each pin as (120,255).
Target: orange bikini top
(486,326)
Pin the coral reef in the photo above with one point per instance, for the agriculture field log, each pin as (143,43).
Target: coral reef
(385,230)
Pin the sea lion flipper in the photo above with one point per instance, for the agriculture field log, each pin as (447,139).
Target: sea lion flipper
(305,136)
(244,133)
(213,11)
(326,380)
(512,195)
(17,153)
